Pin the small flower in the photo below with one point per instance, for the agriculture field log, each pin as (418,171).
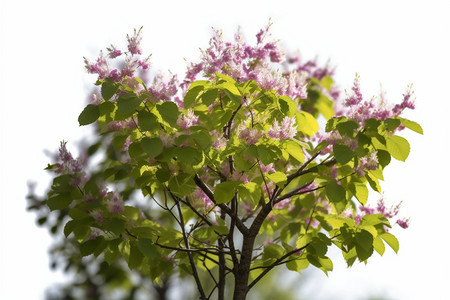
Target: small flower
(113,52)
(285,131)
(403,223)
(115,204)
(98,216)
(185,121)
(356,97)
(134,42)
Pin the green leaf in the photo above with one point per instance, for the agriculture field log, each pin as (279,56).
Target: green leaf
(189,155)
(295,150)
(335,192)
(250,191)
(303,241)
(127,105)
(268,153)
(273,251)
(109,88)
(378,245)
(58,201)
(114,225)
(152,146)
(93,246)
(279,178)
(224,191)
(306,123)
(192,95)
(147,121)
(365,239)
(288,106)
(391,240)
(360,191)
(411,125)
(391,124)
(168,112)
(343,154)
(325,106)
(89,115)
(210,96)
(225,77)
(119,141)
(136,257)
(297,265)
(398,147)
(347,128)
(384,158)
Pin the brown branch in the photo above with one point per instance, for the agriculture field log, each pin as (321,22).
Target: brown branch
(242,228)
(186,242)
(274,264)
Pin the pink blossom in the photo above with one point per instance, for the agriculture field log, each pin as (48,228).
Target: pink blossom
(267,168)
(185,121)
(115,203)
(113,52)
(134,42)
(240,176)
(285,131)
(283,203)
(251,136)
(356,97)
(199,194)
(98,216)
(403,223)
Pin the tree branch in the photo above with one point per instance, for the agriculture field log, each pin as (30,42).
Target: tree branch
(242,228)
(278,262)
(186,242)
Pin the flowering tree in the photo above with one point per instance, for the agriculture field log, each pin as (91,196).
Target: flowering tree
(253,158)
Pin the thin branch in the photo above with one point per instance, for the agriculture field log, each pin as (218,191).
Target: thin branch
(279,261)
(186,242)
(196,212)
(242,228)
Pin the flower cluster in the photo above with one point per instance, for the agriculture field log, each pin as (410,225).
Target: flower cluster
(379,209)
(245,62)
(287,130)
(361,110)
(368,162)
(132,62)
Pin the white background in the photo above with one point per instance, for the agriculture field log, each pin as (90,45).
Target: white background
(43,89)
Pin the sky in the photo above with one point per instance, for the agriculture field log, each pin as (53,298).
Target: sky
(389,43)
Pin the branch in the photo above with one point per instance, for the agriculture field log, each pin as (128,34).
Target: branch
(242,228)
(298,191)
(274,264)
(186,242)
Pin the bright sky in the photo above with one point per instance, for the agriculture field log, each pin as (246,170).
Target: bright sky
(44,87)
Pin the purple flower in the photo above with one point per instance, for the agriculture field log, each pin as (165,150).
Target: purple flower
(113,52)
(185,121)
(134,42)
(115,204)
(403,223)
(356,97)
(98,216)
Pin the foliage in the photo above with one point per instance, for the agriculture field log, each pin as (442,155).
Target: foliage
(237,172)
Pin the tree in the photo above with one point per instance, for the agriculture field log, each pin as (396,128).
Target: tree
(237,172)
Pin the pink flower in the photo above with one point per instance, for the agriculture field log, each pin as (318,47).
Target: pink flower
(113,52)
(356,97)
(403,223)
(115,204)
(98,216)
(187,120)
(134,42)
(285,131)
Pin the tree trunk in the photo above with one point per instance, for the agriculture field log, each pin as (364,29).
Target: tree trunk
(242,270)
